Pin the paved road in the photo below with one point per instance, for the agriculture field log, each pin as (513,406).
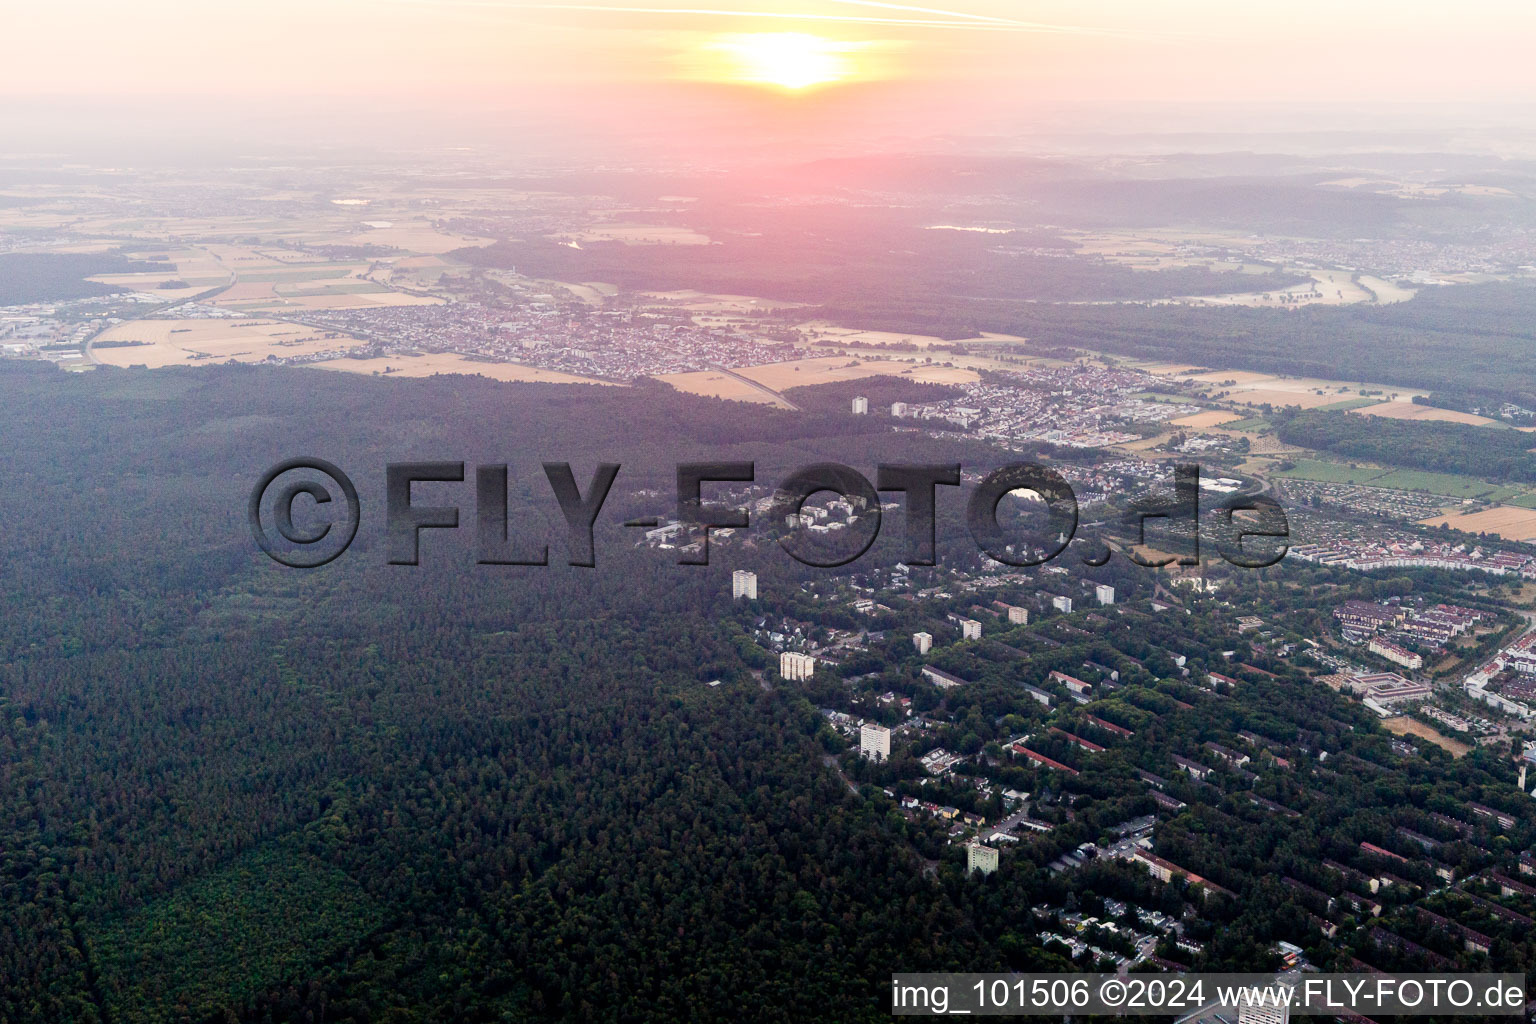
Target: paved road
(765,389)
(1009,823)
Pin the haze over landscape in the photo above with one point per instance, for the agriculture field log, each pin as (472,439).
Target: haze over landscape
(561,750)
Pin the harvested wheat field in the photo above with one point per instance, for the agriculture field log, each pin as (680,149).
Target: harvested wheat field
(1239,378)
(245,291)
(1169,369)
(1279,396)
(713,384)
(306,301)
(818,330)
(451,362)
(414,236)
(157,343)
(800,372)
(1209,418)
(710,302)
(1412,411)
(1507,521)
(194,270)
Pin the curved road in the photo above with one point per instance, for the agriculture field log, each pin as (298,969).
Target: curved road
(87,346)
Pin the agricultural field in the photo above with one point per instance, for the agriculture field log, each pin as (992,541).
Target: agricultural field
(1221,252)
(1166,250)
(707,302)
(637,234)
(266,281)
(818,331)
(192,270)
(1324,471)
(1250,387)
(1511,522)
(1400,410)
(713,384)
(1180,370)
(416,271)
(156,343)
(1387,292)
(340,294)
(1327,288)
(415,235)
(802,372)
(1351,404)
(1209,418)
(448,362)
(777,377)
(1279,397)
(1451,485)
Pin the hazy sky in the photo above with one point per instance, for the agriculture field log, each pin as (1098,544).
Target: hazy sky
(949,65)
(1177,50)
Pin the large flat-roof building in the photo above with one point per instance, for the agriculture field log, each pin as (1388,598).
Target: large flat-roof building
(1395,654)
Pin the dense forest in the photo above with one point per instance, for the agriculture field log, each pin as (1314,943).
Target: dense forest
(51,277)
(1489,452)
(837,256)
(1470,337)
(231,791)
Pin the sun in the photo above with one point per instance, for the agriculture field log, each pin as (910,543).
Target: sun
(786,60)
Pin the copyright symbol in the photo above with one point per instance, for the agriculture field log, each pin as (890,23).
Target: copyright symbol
(316,544)
(1112,992)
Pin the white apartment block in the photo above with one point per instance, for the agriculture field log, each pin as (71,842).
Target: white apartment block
(1393,653)
(1105,594)
(1266,1012)
(796,666)
(875,742)
(860,406)
(1018,616)
(743,585)
(898,409)
(980,858)
(1061,603)
(923,642)
(970,629)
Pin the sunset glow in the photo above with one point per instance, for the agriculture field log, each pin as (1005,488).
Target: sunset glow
(785,60)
